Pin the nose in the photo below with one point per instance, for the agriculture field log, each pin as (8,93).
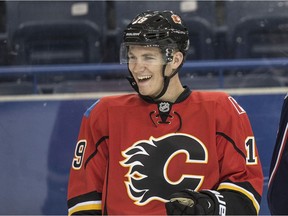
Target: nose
(137,67)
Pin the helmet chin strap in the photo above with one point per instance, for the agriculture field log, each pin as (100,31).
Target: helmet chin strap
(165,86)
(166,83)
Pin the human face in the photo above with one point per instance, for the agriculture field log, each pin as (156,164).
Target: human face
(146,64)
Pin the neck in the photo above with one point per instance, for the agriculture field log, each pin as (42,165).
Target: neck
(175,88)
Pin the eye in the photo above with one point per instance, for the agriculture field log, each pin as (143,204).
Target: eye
(150,57)
(131,58)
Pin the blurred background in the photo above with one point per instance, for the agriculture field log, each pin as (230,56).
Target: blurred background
(58,57)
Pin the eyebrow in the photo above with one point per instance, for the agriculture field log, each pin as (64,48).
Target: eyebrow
(144,55)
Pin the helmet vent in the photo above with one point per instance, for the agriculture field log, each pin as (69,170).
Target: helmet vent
(158,35)
(155,28)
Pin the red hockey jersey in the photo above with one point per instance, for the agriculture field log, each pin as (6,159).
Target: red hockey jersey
(132,153)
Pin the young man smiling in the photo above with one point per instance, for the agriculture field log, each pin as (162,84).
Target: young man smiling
(145,64)
(165,150)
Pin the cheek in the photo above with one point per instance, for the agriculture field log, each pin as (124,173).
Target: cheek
(157,70)
(130,67)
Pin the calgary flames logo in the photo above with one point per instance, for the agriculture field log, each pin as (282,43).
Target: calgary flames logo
(176,18)
(149,167)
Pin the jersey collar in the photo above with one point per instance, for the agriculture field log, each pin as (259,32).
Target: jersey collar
(185,94)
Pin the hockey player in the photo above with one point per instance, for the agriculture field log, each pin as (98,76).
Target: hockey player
(278,182)
(167,149)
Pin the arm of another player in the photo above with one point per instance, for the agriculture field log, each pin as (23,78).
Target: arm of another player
(277,185)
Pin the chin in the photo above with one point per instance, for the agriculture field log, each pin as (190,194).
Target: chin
(145,93)
(148,92)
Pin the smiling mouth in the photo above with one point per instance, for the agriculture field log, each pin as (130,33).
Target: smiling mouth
(143,78)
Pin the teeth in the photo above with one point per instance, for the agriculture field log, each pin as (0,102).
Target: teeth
(143,77)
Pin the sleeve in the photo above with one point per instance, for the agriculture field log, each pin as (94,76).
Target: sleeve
(277,185)
(241,177)
(87,173)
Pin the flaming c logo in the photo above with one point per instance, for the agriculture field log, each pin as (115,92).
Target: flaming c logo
(148,167)
(176,18)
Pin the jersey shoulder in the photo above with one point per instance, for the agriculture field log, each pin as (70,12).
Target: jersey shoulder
(102,104)
(202,96)
(221,100)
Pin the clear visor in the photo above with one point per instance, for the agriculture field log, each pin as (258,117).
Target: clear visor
(142,53)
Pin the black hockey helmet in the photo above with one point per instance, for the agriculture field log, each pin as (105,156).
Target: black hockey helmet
(162,29)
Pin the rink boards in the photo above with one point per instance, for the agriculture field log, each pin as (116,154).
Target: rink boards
(38,134)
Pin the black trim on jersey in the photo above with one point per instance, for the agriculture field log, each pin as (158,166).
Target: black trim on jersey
(185,94)
(247,186)
(237,203)
(92,196)
(96,149)
(105,212)
(229,139)
(88,212)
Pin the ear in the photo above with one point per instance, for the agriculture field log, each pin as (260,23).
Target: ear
(177,60)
